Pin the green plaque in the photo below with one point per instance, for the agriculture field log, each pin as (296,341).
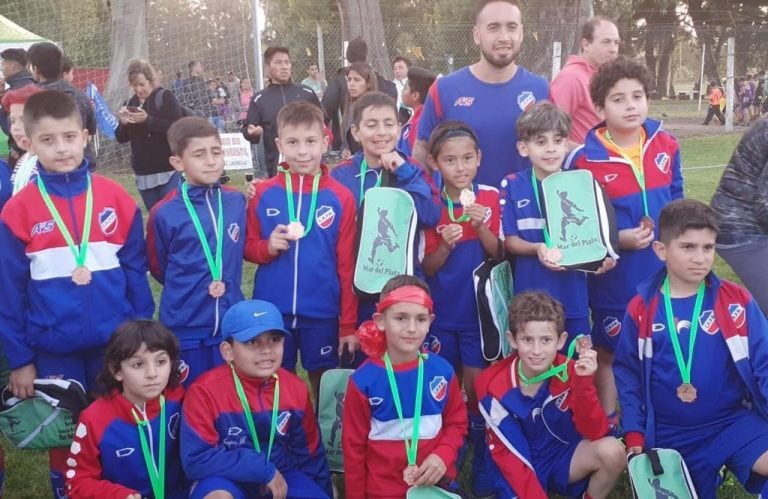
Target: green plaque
(330,408)
(430,492)
(660,473)
(502,292)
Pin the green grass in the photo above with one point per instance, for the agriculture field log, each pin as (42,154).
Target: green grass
(26,471)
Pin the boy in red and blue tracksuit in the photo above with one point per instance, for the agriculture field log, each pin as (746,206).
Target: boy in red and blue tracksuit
(722,419)
(176,255)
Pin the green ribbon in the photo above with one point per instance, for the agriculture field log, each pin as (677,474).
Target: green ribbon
(292,217)
(214,265)
(412,447)
(639,173)
(156,472)
(363,169)
(561,371)
(535,185)
(249,416)
(81,251)
(463,218)
(683,365)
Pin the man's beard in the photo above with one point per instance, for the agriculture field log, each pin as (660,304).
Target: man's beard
(501,62)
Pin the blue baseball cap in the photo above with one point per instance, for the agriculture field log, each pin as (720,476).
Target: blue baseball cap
(248,319)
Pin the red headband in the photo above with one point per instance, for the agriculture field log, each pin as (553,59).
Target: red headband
(408,294)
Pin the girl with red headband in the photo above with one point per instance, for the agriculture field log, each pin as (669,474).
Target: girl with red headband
(404,415)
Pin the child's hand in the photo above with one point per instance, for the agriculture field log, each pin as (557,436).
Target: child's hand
(391,161)
(635,450)
(350,342)
(587,363)
(251,190)
(452,234)
(430,472)
(122,115)
(636,238)
(476,213)
(278,487)
(133,496)
(22,381)
(139,116)
(545,258)
(254,130)
(607,265)
(279,240)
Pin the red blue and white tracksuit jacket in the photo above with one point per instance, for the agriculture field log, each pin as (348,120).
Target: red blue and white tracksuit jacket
(570,413)
(372,435)
(43,310)
(177,261)
(215,441)
(664,183)
(106,460)
(313,279)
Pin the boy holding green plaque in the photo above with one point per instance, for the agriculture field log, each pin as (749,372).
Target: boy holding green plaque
(691,360)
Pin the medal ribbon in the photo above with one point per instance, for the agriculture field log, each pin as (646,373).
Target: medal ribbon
(214,265)
(289,194)
(683,365)
(156,472)
(535,186)
(412,447)
(463,218)
(639,172)
(81,251)
(363,169)
(249,416)
(560,371)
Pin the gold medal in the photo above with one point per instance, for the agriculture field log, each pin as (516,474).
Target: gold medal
(81,275)
(554,255)
(647,223)
(296,230)
(467,198)
(217,289)
(583,343)
(687,393)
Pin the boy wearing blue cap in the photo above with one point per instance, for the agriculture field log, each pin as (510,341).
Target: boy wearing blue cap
(248,427)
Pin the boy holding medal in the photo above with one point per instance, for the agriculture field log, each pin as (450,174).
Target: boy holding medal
(638,166)
(248,428)
(545,427)
(301,233)
(404,414)
(701,389)
(73,263)
(195,238)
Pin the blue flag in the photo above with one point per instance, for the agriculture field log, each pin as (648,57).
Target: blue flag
(106,121)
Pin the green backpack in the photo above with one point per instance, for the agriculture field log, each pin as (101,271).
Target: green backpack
(660,474)
(330,408)
(493,292)
(387,235)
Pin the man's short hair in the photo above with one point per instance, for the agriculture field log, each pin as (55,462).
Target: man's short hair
(401,58)
(419,80)
(46,57)
(49,104)
(18,96)
(372,99)
(588,30)
(300,113)
(534,306)
(357,50)
(481,4)
(273,51)
(610,73)
(185,129)
(541,118)
(66,64)
(681,215)
(19,56)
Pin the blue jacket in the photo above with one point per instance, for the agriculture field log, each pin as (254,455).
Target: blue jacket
(43,310)
(177,261)
(6,187)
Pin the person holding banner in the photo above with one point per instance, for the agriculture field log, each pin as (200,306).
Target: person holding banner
(144,122)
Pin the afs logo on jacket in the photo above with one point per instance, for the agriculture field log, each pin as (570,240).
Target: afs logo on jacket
(612,326)
(41,228)
(708,323)
(282,422)
(324,216)
(438,387)
(738,314)
(108,221)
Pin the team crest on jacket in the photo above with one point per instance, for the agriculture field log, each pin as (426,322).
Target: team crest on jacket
(431,344)
(234,231)
(611,325)
(183,371)
(662,162)
(525,100)
(174,424)
(108,221)
(738,314)
(324,216)
(282,422)
(708,323)
(438,387)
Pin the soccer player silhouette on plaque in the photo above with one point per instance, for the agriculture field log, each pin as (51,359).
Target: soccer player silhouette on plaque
(383,238)
(661,492)
(569,217)
(339,412)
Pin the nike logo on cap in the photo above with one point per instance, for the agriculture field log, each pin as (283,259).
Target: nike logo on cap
(258,314)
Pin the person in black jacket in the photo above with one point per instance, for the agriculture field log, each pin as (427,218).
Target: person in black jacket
(261,121)
(14,69)
(144,121)
(335,96)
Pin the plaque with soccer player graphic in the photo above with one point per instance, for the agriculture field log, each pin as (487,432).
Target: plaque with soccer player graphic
(387,233)
(333,388)
(580,220)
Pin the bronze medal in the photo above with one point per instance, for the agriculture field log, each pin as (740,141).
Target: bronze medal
(686,393)
(554,255)
(583,343)
(296,230)
(81,275)
(217,289)
(647,223)
(467,198)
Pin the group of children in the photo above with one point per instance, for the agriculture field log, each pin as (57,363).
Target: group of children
(73,271)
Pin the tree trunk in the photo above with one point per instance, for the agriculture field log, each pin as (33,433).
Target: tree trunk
(363,18)
(128,41)
(666,51)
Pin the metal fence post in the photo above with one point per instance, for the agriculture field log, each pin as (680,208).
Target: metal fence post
(729,95)
(556,58)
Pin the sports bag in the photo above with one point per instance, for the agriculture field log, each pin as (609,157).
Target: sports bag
(330,408)
(660,474)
